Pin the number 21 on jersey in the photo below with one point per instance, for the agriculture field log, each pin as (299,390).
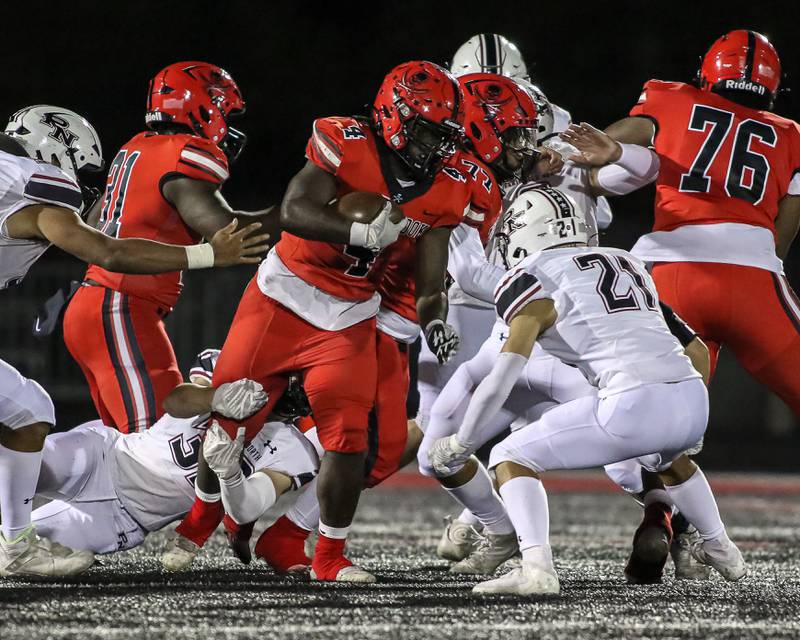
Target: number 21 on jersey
(119,175)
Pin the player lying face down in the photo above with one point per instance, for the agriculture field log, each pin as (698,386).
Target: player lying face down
(96,510)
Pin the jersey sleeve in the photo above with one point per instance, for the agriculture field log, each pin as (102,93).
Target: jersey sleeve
(651,101)
(325,148)
(518,288)
(201,159)
(50,185)
(794,179)
(485,202)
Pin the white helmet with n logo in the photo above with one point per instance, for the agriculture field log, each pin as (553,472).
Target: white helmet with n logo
(539,218)
(489,53)
(58,136)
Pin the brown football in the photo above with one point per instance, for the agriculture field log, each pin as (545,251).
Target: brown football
(363,206)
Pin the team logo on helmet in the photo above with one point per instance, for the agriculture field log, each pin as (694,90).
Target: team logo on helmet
(59,129)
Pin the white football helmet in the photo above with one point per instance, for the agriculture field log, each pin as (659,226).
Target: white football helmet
(58,136)
(539,218)
(544,110)
(489,53)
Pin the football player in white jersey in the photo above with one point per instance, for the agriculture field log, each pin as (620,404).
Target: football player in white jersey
(110,490)
(595,309)
(40,205)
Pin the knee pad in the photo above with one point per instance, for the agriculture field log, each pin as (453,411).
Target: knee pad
(24,402)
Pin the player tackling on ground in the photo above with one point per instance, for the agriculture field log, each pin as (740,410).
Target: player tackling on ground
(40,206)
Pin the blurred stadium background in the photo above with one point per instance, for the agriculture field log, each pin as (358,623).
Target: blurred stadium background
(295,64)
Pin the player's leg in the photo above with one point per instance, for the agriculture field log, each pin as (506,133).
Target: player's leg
(765,333)
(340,402)
(132,364)
(391,423)
(247,353)
(26,416)
(586,432)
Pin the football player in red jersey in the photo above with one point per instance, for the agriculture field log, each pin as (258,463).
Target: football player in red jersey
(727,208)
(320,280)
(500,121)
(162,185)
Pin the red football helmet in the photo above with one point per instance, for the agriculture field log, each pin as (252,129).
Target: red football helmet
(201,96)
(741,61)
(418,112)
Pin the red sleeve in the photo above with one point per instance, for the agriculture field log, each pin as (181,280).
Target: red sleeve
(324,148)
(650,101)
(485,199)
(201,159)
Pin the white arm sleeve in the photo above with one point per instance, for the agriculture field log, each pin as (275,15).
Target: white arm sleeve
(490,396)
(247,499)
(468,266)
(603,213)
(636,167)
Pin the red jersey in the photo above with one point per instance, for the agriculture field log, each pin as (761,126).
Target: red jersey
(348,149)
(720,161)
(397,286)
(134,207)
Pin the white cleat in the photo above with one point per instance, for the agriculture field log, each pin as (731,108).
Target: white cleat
(179,553)
(459,539)
(686,567)
(491,552)
(725,557)
(352,574)
(32,556)
(528,580)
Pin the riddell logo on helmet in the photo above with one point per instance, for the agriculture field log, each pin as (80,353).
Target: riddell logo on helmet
(745,85)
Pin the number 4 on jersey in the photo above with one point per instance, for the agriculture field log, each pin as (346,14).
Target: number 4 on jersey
(746,176)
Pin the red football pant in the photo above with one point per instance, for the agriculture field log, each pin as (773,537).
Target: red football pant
(266,342)
(121,345)
(752,311)
(389,429)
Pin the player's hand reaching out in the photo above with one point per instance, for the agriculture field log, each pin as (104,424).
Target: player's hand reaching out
(239,399)
(245,246)
(548,162)
(595,148)
(223,455)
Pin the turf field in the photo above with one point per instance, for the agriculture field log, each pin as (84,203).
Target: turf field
(128,596)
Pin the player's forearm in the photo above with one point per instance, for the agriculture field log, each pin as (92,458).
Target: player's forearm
(188,400)
(307,219)
(431,307)
(247,499)
(632,130)
(134,255)
(489,397)
(468,265)
(787,224)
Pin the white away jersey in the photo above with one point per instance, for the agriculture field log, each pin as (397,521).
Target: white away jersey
(155,469)
(609,322)
(25,182)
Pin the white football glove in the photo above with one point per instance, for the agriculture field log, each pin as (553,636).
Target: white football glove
(223,455)
(379,233)
(447,455)
(442,340)
(239,400)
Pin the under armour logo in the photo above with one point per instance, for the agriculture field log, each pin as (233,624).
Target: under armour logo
(27,500)
(269,446)
(60,129)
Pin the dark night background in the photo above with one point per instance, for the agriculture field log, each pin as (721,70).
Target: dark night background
(298,61)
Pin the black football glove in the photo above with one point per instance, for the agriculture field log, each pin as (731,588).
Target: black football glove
(442,340)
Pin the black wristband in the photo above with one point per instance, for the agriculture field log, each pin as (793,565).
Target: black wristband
(677,325)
